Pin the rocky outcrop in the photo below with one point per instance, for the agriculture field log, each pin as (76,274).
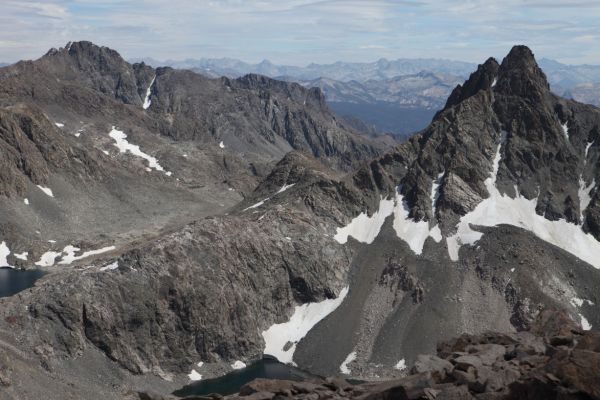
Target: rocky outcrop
(32,148)
(555,360)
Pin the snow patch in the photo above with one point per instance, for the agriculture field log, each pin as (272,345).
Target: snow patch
(565,128)
(26,201)
(577,302)
(221,144)
(238,365)
(59,124)
(495,82)
(124,146)
(4,252)
(147,100)
(585,324)
(364,228)
(46,190)
(401,365)
(305,317)
(501,209)
(414,233)
(70,256)
(47,259)
(584,196)
(344,367)
(110,267)
(194,375)
(22,256)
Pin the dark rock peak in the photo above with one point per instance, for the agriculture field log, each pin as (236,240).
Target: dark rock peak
(520,75)
(482,79)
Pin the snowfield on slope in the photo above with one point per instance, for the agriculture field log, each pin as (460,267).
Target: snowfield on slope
(305,317)
(495,210)
(500,209)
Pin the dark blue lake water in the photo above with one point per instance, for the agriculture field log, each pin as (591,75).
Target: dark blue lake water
(233,381)
(13,281)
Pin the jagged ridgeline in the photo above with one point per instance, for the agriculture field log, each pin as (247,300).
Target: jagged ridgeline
(192,225)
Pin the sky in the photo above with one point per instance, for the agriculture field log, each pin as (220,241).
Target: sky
(298,32)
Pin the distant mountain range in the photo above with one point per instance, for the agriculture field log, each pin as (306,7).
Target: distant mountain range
(340,71)
(393,96)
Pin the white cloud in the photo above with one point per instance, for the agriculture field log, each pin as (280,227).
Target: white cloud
(302,31)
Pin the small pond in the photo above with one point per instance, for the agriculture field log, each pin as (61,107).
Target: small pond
(13,281)
(233,381)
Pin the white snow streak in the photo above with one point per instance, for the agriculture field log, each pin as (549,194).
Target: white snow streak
(26,201)
(238,365)
(565,128)
(59,124)
(344,367)
(110,267)
(364,228)
(501,209)
(22,256)
(401,366)
(435,192)
(587,150)
(494,82)
(284,188)
(124,146)
(46,190)
(221,144)
(305,317)
(147,100)
(260,203)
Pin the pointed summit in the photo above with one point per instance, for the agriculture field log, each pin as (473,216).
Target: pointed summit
(520,75)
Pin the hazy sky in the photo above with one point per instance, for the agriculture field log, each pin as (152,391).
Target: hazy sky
(303,31)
